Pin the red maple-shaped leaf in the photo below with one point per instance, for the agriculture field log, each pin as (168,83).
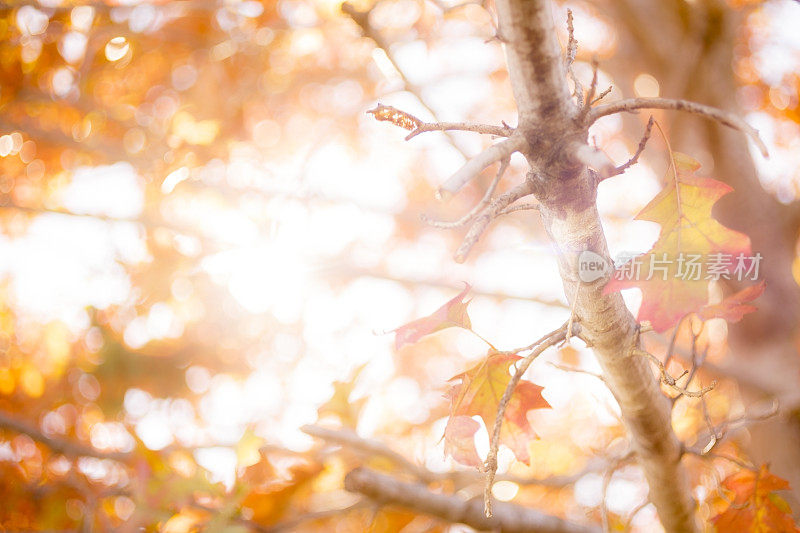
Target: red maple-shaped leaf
(478,394)
(735,306)
(691,248)
(755,507)
(451,314)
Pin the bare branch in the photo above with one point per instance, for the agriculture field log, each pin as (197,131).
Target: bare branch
(717,434)
(723,117)
(587,102)
(351,439)
(490,467)
(567,368)
(474,166)
(639,149)
(499,131)
(602,95)
(670,381)
(489,214)
(65,446)
(510,518)
(469,217)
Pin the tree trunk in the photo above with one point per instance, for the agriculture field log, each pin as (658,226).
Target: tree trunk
(548,120)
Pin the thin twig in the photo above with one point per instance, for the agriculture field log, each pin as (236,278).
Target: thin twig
(490,467)
(587,103)
(670,381)
(633,513)
(67,447)
(372,447)
(720,432)
(452,508)
(490,213)
(475,211)
(726,457)
(723,117)
(567,368)
(639,149)
(602,95)
(487,129)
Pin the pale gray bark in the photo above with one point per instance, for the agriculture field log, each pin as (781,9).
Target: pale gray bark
(549,121)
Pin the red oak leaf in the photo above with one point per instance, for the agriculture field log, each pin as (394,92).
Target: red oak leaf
(451,314)
(478,394)
(690,238)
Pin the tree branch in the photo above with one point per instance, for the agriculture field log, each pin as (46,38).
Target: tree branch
(490,213)
(723,117)
(510,518)
(469,217)
(475,166)
(67,447)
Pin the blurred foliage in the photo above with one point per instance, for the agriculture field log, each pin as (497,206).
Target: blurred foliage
(216,109)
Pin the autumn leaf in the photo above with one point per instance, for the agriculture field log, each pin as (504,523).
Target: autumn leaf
(272,489)
(451,314)
(755,507)
(478,394)
(671,275)
(735,306)
(340,404)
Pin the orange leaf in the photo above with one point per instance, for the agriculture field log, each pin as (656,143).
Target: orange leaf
(755,506)
(671,275)
(479,394)
(735,306)
(451,314)
(387,113)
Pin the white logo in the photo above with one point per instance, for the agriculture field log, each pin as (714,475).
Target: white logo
(592,266)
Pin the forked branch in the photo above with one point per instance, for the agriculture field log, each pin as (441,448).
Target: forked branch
(490,467)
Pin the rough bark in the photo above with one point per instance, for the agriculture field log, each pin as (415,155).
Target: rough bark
(549,121)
